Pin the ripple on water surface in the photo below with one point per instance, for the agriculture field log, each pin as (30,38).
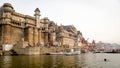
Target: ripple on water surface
(88,60)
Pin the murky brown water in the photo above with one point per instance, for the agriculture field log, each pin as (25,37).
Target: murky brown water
(88,60)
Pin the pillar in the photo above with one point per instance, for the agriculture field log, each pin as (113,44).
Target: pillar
(30,36)
(39,36)
(35,36)
(6,38)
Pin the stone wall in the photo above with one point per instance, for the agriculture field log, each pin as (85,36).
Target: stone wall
(35,40)
(30,36)
(0,33)
(6,38)
(28,51)
(68,41)
(42,37)
(16,34)
(10,35)
(37,50)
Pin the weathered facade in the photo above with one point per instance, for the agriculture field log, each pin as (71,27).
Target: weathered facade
(15,27)
(68,35)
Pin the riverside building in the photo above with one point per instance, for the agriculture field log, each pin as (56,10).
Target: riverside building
(15,27)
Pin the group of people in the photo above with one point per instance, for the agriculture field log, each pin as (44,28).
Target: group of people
(49,44)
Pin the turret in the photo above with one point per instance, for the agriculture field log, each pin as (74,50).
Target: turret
(37,17)
(7,7)
(46,22)
(7,11)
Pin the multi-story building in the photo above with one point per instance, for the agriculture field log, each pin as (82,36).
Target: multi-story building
(16,26)
(68,35)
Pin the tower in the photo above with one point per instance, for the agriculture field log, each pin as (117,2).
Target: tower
(46,21)
(37,17)
(5,19)
(6,12)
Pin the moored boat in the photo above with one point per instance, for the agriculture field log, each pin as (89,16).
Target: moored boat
(72,53)
(57,53)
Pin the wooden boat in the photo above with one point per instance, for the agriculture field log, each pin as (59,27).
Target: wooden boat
(56,53)
(72,53)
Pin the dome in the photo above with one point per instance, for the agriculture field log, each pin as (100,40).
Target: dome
(7,7)
(37,12)
(37,9)
(46,20)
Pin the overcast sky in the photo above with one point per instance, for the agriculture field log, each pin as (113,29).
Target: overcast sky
(96,19)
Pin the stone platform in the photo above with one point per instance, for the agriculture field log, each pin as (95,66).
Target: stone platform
(37,50)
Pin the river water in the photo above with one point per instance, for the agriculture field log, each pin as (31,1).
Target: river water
(88,60)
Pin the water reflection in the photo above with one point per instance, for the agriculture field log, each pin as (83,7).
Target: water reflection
(6,61)
(60,61)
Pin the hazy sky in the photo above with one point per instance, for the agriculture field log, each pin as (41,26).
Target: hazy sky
(96,19)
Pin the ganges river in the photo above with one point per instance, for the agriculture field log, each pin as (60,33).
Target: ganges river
(87,60)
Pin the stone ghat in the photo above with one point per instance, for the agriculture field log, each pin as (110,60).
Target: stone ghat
(38,50)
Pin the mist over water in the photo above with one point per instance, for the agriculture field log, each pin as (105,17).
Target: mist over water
(88,60)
